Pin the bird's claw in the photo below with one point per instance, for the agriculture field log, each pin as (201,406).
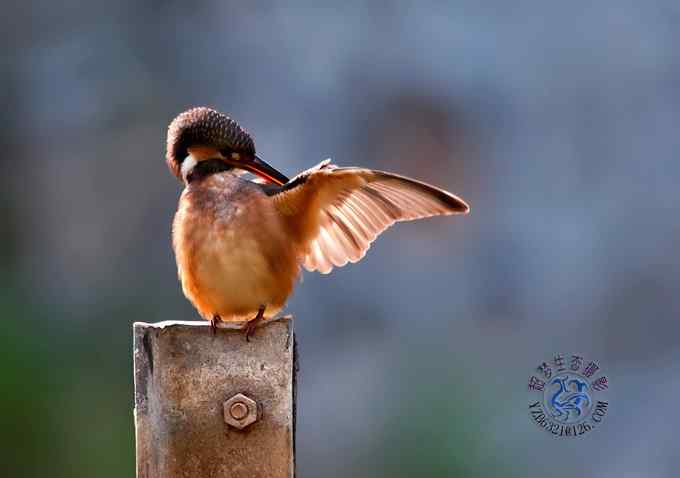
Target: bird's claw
(213,323)
(252,324)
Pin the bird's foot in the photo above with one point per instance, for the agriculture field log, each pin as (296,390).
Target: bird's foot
(252,324)
(213,323)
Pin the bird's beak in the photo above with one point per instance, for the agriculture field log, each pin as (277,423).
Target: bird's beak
(258,167)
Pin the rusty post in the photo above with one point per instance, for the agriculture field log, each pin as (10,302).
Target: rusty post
(214,405)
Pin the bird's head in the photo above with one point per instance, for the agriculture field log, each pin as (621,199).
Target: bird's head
(202,141)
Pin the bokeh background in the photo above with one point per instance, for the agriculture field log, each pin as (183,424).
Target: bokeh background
(557,121)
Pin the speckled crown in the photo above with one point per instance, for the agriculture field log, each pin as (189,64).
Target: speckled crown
(204,126)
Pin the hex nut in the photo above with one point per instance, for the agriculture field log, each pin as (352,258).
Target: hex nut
(240,411)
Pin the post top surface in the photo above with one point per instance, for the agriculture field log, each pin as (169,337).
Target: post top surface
(203,323)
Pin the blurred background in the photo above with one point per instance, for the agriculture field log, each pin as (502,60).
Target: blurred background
(557,122)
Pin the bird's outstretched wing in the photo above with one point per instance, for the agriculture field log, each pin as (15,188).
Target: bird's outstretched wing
(334,214)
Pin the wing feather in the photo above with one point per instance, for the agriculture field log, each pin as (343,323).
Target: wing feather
(334,214)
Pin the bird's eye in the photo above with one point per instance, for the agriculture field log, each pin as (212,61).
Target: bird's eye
(228,153)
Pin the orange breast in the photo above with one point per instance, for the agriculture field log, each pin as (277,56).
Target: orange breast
(232,253)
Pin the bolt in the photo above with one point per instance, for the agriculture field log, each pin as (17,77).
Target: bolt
(240,411)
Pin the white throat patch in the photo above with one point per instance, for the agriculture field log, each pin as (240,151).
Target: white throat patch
(188,165)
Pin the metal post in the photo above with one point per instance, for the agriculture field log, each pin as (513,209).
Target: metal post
(214,405)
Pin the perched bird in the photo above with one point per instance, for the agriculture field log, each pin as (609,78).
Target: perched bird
(239,244)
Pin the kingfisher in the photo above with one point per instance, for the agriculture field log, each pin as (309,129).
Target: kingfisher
(240,243)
